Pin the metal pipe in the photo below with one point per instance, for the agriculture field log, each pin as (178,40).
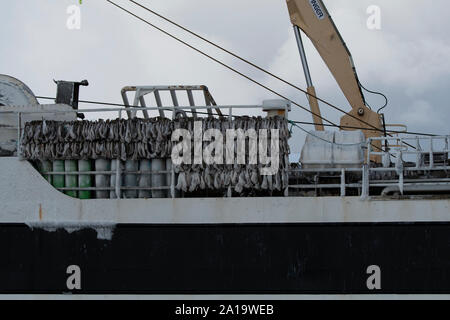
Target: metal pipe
(343,183)
(301,49)
(19,134)
(432,188)
(313,103)
(118,177)
(136,109)
(365,192)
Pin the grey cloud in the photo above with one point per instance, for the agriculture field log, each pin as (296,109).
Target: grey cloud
(407,59)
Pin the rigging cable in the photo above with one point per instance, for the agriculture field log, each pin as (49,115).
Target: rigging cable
(236,116)
(250,63)
(222,63)
(383,131)
(252,80)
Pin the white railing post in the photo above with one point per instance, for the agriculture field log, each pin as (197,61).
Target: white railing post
(172,181)
(365,182)
(431,153)
(118,169)
(230,121)
(401,184)
(19,134)
(343,183)
(418,154)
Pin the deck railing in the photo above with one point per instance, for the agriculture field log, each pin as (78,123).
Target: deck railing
(424,160)
(131,112)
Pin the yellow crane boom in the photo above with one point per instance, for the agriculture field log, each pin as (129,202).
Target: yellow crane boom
(312,17)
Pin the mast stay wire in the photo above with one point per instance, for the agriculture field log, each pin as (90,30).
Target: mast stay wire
(252,80)
(222,63)
(237,116)
(383,131)
(253,65)
(267,72)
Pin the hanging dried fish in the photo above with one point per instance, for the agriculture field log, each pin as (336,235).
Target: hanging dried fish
(139,139)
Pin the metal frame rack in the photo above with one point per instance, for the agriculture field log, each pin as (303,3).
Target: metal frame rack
(400,148)
(140,105)
(397,183)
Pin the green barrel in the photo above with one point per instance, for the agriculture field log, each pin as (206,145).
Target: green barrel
(58,180)
(71,179)
(45,167)
(85,180)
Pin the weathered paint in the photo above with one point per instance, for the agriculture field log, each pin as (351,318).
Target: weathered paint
(22,189)
(228,259)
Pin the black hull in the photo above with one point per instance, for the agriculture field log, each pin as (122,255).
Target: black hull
(229,259)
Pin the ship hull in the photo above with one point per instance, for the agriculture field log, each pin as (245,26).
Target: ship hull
(52,244)
(229,259)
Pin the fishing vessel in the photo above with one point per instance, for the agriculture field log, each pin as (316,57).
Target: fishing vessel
(101,206)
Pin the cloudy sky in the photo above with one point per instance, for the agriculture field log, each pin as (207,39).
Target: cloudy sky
(408,59)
